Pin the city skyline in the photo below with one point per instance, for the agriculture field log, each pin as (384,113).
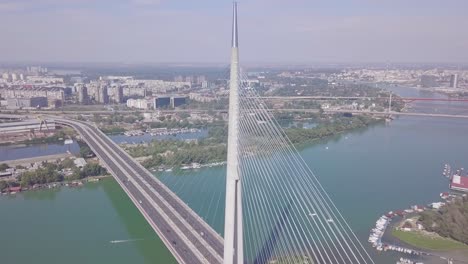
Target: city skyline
(159,31)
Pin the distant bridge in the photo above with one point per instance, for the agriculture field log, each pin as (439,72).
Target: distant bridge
(407,99)
(394,113)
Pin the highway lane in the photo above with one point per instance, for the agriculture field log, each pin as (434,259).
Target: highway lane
(177,225)
(198,224)
(180,222)
(201,237)
(175,243)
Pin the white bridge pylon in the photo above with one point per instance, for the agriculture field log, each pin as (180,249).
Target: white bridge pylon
(276,210)
(233,227)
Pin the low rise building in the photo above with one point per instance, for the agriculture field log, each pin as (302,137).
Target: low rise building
(51,93)
(459,183)
(44,80)
(138,104)
(134,91)
(25,103)
(79,162)
(177,101)
(162,102)
(166,101)
(22,130)
(204,98)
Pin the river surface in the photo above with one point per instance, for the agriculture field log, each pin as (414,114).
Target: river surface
(367,173)
(11,152)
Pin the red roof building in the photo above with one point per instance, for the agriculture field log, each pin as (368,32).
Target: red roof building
(459,183)
(14,189)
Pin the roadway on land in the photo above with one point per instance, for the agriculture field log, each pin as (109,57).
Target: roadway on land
(28,161)
(185,234)
(303,110)
(107,112)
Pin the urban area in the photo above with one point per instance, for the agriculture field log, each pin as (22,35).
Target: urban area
(334,134)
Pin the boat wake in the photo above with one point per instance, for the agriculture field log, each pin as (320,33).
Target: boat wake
(125,240)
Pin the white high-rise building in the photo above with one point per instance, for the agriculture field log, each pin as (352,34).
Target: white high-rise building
(118,94)
(103,97)
(6,76)
(82,94)
(454,81)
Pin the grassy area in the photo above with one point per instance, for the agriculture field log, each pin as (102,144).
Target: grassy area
(423,241)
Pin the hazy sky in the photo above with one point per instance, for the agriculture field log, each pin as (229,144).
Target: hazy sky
(282,31)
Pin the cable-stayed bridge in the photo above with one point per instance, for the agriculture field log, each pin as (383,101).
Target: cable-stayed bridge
(276,211)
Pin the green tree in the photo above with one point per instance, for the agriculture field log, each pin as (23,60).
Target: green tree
(86,152)
(3,185)
(130,119)
(67,163)
(20,167)
(77,174)
(48,173)
(450,220)
(4,166)
(92,169)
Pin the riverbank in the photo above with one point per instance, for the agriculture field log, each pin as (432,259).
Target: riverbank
(37,171)
(47,158)
(443,249)
(53,185)
(193,166)
(58,136)
(403,232)
(428,241)
(169,154)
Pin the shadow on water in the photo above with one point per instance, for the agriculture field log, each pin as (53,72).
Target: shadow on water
(266,252)
(144,238)
(41,195)
(47,194)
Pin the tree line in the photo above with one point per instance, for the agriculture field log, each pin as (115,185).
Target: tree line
(52,172)
(450,220)
(328,128)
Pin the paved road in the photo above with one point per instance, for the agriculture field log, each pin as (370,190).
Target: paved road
(185,234)
(28,161)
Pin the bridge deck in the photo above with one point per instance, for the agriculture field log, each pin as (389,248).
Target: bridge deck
(185,234)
